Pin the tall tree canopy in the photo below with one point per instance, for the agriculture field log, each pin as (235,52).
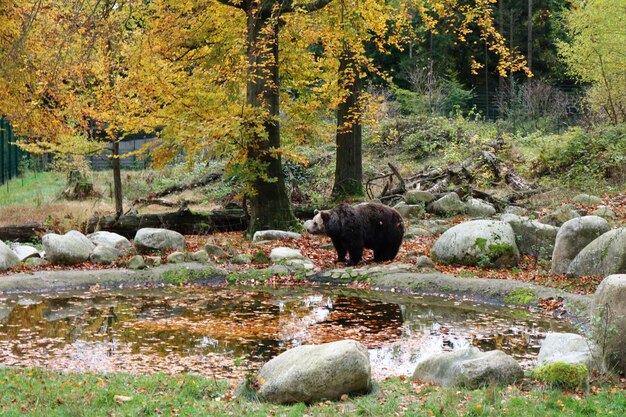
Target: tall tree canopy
(595,54)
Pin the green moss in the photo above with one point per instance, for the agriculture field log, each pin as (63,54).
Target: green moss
(480,242)
(260,257)
(521,296)
(187,276)
(562,375)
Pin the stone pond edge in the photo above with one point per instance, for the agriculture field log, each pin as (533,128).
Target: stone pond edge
(482,290)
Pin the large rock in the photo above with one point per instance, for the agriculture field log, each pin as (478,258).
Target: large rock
(604,211)
(609,320)
(8,258)
(572,237)
(448,205)
(410,211)
(154,240)
(479,208)
(604,256)
(104,255)
(477,242)
(315,372)
(68,249)
(113,240)
(469,367)
(283,254)
(532,237)
(517,210)
(25,252)
(560,215)
(418,197)
(586,199)
(569,348)
(274,235)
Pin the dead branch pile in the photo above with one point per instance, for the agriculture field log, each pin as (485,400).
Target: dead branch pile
(461,177)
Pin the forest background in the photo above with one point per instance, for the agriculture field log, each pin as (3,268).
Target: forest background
(264,91)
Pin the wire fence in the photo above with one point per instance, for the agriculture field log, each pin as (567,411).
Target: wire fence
(10,154)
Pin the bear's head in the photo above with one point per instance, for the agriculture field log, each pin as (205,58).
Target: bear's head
(316,226)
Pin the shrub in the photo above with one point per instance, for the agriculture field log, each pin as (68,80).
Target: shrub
(598,153)
(562,375)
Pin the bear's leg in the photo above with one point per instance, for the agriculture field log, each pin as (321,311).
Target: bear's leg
(385,254)
(340,248)
(356,253)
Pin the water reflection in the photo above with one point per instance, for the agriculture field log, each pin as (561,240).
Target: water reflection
(209,331)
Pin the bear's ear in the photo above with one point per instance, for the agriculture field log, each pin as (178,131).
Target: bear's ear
(325,214)
(315,212)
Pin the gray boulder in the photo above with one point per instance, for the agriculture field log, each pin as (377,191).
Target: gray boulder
(314,372)
(414,231)
(609,320)
(517,210)
(176,257)
(411,211)
(589,200)
(274,235)
(68,249)
(104,255)
(532,237)
(560,215)
(604,211)
(24,252)
(572,237)
(468,367)
(424,262)
(113,240)
(136,262)
(448,205)
(479,208)
(418,197)
(283,254)
(484,242)
(569,348)
(200,256)
(8,258)
(154,240)
(214,251)
(604,256)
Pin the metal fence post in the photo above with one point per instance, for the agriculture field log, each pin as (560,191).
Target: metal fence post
(2,140)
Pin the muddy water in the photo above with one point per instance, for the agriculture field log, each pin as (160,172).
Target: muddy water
(225,333)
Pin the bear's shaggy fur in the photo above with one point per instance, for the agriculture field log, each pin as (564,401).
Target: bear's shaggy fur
(373,226)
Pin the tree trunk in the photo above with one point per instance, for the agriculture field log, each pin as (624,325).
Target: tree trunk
(269,203)
(529,44)
(349,167)
(117,180)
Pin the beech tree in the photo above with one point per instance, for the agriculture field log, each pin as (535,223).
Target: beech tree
(269,204)
(66,75)
(595,55)
(386,25)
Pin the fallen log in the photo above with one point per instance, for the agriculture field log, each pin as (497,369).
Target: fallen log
(183,221)
(21,232)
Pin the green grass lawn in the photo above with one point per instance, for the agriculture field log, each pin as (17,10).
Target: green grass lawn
(32,189)
(33,392)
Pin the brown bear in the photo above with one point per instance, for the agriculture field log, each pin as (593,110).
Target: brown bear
(373,226)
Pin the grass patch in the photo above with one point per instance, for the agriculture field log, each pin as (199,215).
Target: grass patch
(32,189)
(34,392)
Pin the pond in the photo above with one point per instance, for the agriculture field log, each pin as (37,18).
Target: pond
(225,333)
